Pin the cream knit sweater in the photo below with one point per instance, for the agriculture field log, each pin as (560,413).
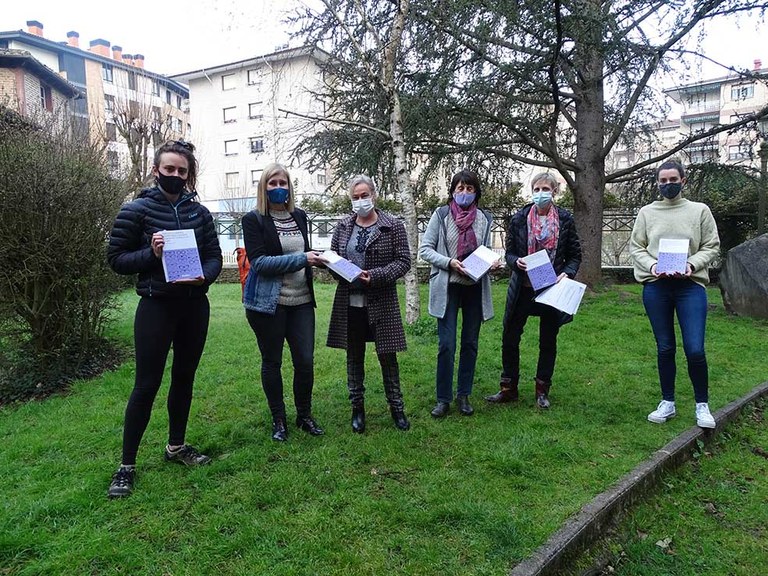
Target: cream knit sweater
(676,218)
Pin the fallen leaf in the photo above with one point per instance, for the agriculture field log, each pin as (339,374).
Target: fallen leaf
(664,544)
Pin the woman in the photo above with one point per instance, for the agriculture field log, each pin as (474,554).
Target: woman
(278,297)
(169,314)
(453,233)
(367,309)
(665,295)
(540,225)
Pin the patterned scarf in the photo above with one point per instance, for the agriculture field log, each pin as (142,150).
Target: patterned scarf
(464,219)
(543,236)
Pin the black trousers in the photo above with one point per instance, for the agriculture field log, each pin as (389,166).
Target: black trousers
(358,332)
(159,324)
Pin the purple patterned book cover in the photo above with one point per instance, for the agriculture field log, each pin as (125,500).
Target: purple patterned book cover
(540,270)
(673,256)
(181,259)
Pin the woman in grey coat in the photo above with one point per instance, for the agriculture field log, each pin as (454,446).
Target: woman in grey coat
(367,309)
(455,231)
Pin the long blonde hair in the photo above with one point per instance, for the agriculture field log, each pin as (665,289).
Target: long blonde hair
(262,199)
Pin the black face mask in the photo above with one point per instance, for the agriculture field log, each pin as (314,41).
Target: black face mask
(671,189)
(173,185)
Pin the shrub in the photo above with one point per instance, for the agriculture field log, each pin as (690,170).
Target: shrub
(57,204)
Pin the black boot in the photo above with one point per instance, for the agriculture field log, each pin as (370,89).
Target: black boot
(508,392)
(308,424)
(358,419)
(464,406)
(542,393)
(440,409)
(401,422)
(279,430)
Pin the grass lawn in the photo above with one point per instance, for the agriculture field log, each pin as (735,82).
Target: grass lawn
(456,496)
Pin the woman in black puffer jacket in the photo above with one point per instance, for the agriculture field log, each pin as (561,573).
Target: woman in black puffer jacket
(169,313)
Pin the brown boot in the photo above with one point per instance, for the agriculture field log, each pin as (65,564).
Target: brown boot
(508,392)
(542,393)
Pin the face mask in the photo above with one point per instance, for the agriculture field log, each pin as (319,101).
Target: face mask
(173,185)
(670,189)
(464,199)
(363,206)
(542,199)
(278,195)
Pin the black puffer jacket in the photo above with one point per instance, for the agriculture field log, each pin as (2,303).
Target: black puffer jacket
(129,250)
(567,254)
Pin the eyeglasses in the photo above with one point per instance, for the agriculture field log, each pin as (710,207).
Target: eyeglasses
(182,143)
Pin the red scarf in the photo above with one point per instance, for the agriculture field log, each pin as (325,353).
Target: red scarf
(464,219)
(543,236)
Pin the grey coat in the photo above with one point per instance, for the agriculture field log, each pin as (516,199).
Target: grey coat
(434,250)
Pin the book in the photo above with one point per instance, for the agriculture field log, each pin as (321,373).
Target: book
(673,256)
(565,295)
(540,270)
(341,266)
(479,262)
(181,259)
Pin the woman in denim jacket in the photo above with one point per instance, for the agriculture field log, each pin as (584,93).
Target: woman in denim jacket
(279,299)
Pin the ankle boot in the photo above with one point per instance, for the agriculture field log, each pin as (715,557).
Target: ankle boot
(401,422)
(464,406)
(358,419)
(279,430)
(542,393)
(508,392)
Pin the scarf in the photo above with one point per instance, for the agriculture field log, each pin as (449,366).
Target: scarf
(464,219)
(543,235)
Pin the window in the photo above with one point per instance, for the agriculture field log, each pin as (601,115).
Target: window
(742,92)
(230,147)
(46,98)
(156,115)
(255,177)
(321,179)
(739,152)
(256,144)
(179,125)
(228,82)
(232,181)
(135,109)
(322,229)
(107,72)
(254,77)
(178,101)
(132,80)
(111,132)
(109,103)
(230,114)
(113,163)
(155,88)
(168,97)
(254,111)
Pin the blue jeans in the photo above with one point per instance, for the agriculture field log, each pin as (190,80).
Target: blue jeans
(662,300)
(469,299)
(296,325)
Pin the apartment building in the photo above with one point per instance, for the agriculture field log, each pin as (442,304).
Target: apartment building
(120,102)
(251,113)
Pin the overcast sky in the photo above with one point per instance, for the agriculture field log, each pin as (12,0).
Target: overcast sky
(178,37)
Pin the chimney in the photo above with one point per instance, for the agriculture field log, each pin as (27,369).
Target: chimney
(758,63)
(138,60)
(73,39)
(35,27)
(100,47)
(117,53)
(128,59)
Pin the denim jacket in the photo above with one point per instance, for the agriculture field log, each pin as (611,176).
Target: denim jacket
(268,263)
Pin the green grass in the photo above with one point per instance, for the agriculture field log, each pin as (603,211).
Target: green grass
(708,518)
(457,496)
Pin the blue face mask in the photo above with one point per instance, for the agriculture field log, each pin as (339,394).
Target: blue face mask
(670,189)
(542,199)
(464,199)
(278,195)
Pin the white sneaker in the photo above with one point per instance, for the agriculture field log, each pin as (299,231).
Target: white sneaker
(663,412)
(703,416)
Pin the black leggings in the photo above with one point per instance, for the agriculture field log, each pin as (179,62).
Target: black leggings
(160,323)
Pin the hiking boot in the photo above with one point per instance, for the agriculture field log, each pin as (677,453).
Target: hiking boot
(664,412)
(122,482)
(187,455)
(704,418)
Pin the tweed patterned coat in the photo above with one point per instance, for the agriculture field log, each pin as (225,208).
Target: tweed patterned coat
(387,258)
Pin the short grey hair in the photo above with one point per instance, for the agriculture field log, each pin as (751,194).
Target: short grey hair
(547,177)
(358,179)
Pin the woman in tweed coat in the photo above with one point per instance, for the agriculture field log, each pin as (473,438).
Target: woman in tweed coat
(367,309)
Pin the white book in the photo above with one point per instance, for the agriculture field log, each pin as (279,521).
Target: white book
(565,295)
(181,259)
(479,262)
(343,267)
(673,256)
(541,273)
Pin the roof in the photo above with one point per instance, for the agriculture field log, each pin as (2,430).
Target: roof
(23,59)
(58,47)
(711,84)
(285,54)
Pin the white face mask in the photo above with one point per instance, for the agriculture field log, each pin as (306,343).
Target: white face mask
(363,206)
